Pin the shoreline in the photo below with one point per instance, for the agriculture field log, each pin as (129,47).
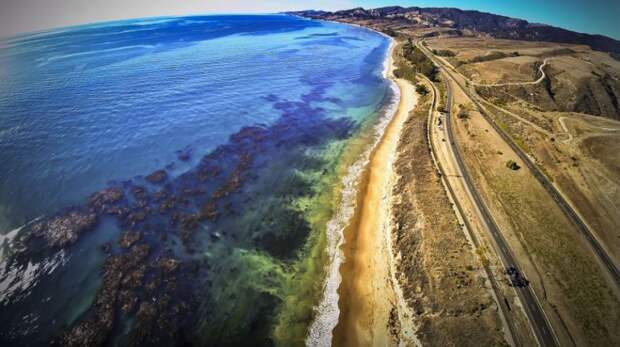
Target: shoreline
(370,300)
(321,330)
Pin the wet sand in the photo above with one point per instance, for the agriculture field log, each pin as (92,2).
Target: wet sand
(371,304)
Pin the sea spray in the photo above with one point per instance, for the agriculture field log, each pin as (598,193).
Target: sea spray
(320,333)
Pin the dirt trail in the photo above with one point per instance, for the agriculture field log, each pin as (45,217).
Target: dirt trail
(542,77)
(562,120)
(372,309)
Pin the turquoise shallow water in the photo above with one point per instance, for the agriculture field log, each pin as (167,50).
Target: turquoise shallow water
(151,171)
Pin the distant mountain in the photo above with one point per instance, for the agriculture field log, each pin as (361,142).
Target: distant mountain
(495,25)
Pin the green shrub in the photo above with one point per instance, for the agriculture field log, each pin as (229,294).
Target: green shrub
(421,89)
(444,53)
(463,114)
(512,165)
(422,64)
(406,72)
(390,32)
(493,56)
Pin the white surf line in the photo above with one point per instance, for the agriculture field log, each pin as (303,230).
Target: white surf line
(6,240)
(320,333)
(16,279)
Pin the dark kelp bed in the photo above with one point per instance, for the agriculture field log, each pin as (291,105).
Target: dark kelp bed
(227,228)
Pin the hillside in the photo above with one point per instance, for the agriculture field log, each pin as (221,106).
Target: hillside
(494,25)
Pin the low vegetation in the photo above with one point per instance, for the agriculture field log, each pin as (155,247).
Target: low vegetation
(421,63)
(390,32)
(556,52)
(512,165)
(578,82)
(444,96)
(405,71)
(444,52)
(463,114)
(439,272)
(421,89)
(493,56)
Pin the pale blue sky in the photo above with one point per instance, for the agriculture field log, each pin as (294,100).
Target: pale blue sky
(591,16)
(16,16)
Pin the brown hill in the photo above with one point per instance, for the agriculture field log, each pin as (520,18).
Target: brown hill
(495,25)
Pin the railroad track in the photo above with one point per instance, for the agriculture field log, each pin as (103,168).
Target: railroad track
(538,320)
(541,327)
(503,304)
(559,199)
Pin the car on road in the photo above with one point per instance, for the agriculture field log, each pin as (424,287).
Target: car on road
(516,278)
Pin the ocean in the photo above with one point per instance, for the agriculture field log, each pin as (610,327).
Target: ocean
(172,180)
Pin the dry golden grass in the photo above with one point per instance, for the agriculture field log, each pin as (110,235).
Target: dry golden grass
(441,276)
(562,268)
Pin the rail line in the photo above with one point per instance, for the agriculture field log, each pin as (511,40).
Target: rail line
(559,199)
(503,306)
(539,322)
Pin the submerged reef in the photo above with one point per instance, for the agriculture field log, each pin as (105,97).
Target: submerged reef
(201,257)
(65,229)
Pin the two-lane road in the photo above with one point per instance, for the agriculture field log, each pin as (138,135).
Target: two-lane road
(540,324)
(597,248)
(441,154)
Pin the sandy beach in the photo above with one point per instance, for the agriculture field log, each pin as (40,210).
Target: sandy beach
(370,299)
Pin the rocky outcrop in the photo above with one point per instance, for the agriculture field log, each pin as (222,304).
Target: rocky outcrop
(95,330)
(106,197)
(148,279)
(157,177)
(128,238)
(64,229)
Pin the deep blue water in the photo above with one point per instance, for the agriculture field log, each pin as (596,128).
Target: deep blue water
(228,107)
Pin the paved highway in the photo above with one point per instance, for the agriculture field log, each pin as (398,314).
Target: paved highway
(568,210)
(435,154)
(540,324)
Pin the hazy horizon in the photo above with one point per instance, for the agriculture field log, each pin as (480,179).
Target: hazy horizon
(27,16)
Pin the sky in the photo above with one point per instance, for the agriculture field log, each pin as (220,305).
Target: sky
(587,16)
(19,16)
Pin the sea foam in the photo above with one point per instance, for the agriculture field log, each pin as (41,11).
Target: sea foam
(328,312)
